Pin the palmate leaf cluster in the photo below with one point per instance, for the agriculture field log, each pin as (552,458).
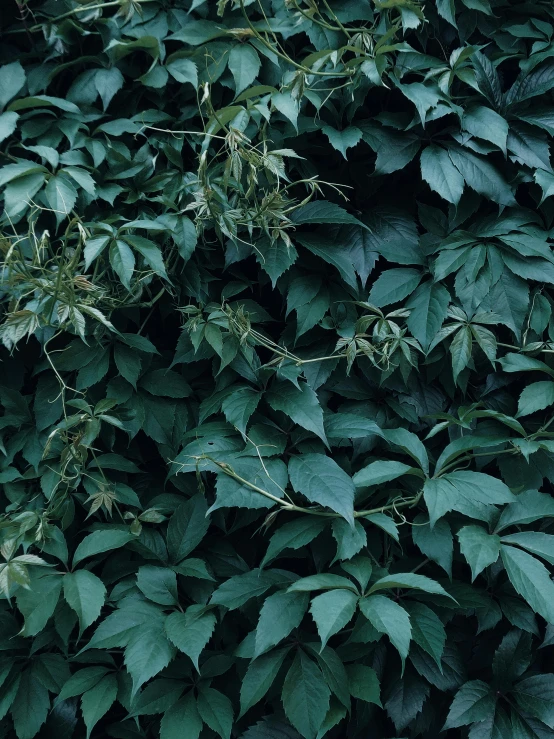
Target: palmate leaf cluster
(277,374)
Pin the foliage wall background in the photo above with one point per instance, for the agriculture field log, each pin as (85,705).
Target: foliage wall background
(277,376)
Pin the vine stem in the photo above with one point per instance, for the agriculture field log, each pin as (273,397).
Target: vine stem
(280,54)
(468,457)
(286,506)
(83,9)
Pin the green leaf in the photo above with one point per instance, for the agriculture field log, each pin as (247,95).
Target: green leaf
(182,720)
(545,180)
(236,591)
(322,211)
(81,681)
(394,150)
(535,695)
(61,195)
(460,349)
(440,174)
(513,657)
(468,492)
(478,547)
(108,82)
(405,700)
(216,711)
(244,64)
(97,701)
(393,234)
(239,406)
(377,473)
(427,630)
(424,97)
(529,506)
(482,176)
(333,671)
(187,527)
(332,253)
(384,522)
(287,105)
(323,581)
(158,584)
(279,615)
(535,397)
(30,706)
(350,540)
(275,257)
(190,631)
(14,171)
(530,579)
(99,542)
(342,140)
(294,535)
(409,580)
(427,306)
(305,696)
(259,678)
(270,475)
(363,684)
(321,480)
(535,542)
(165,383)
(147,653)
(8,124)
(38,603)
(350,426)
(310,314)
(150,252)
(302,406)
(509,299)
(122,260)
(393,286)
(183,70)
(12,79)
(389,618)
(484,123)
(540,81)
(117,629)
(198,32)
(158,697)
(93,248)
(522,363)
(410,444)
(184,235)
(335,715)
(8,692)
(528,146)
(331,612)
(85,593)
(473,702)
(128,363)
(487,78)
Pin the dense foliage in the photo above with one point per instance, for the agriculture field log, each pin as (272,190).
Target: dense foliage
(277,370)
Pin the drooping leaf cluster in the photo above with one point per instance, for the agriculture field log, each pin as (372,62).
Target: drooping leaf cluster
(277,376)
